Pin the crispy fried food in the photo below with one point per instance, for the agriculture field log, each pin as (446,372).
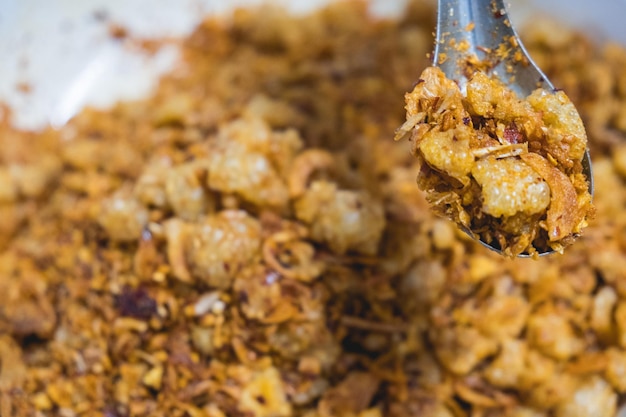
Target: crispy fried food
(249,241)
(507,170)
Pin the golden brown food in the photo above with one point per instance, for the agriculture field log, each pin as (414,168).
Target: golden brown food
(506,169)
(138,278)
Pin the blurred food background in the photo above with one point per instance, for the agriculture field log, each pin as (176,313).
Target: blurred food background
(59,55)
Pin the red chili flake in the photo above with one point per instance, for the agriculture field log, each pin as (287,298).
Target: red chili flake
(512,134)
(136,302)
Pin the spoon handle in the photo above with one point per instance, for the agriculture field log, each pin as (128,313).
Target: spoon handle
(480,28)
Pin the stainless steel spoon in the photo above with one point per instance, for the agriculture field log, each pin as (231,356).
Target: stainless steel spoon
(480,27)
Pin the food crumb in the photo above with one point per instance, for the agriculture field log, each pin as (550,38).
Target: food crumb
(249,240)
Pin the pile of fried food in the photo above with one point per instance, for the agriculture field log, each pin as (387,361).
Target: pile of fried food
(507,169)
(250,241)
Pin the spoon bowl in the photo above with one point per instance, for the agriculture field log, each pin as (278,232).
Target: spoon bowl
(472,33)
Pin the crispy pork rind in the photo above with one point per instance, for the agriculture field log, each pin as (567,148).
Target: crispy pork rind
(505,169)
(509,186)
(123,217)
(565,215)
(344,220)
(215,249)
(249,159)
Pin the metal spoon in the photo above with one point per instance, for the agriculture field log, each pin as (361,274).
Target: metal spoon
(481,27)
